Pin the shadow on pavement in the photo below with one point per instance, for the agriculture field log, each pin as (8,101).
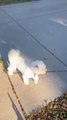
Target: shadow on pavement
(19,117)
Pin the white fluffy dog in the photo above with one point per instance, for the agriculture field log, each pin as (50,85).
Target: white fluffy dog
(29,69)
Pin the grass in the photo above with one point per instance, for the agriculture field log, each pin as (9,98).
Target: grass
(2,2)
(55,110)
(5,67)
(1,60)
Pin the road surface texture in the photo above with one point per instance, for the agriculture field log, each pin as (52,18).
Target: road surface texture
(39,30)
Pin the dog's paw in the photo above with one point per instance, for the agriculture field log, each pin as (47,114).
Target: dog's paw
(10,72)
(25,79)
(26,82)
(36,77)
(36,81)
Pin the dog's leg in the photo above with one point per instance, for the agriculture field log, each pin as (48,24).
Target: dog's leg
(10,70)
(26,75)
(25,79)
(36,77)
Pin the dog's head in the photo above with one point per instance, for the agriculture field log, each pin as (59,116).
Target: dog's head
(13,53)
(39,67)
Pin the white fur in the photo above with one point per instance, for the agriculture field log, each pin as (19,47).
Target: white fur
(26,67)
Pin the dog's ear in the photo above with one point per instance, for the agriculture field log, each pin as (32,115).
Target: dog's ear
(36,66)
(35,69)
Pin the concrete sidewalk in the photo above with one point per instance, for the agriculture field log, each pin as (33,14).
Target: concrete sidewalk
(9,107)
(30,97)
(39,30)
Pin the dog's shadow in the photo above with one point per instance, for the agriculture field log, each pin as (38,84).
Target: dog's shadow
(20,74)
